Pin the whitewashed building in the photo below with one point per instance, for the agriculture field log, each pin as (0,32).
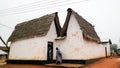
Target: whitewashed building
(77,40)
(30,40)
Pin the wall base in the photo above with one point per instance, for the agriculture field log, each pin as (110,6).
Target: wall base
(47,62)
(26,62)
(81,61)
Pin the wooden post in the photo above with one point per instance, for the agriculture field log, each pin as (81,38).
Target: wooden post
(106,52)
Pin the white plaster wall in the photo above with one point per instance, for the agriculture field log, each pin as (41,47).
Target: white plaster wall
(74,47)
(93,50)
(33,48)
(108,48)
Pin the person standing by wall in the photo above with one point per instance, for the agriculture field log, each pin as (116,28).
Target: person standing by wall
(50,54)
(58,56)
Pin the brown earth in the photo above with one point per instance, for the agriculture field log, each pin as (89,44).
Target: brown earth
(22,66)
(112,62)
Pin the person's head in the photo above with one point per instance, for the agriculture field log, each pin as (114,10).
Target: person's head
(56,48)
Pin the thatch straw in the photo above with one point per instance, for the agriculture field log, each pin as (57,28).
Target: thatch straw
(40,27)
(35,27)
(86,27)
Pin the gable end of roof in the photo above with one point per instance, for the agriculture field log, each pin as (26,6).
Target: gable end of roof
(36,27)
(86,27)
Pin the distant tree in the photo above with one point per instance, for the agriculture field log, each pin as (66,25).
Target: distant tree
(114,47)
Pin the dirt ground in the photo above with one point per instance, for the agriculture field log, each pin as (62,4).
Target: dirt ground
(112,62)
(22,66)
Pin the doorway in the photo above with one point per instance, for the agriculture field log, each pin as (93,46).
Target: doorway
(50,51)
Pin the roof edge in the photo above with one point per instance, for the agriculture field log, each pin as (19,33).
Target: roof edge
(64,29)
(55,19)
(65,26)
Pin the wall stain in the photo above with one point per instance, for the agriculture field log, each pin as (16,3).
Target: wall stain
(74,34)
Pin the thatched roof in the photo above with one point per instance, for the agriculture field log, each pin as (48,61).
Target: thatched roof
(40,27)
(86,27)
(36,27)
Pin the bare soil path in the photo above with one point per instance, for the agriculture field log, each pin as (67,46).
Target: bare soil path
(22,66)
(112,62)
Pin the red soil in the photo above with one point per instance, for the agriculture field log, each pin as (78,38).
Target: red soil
(113,62)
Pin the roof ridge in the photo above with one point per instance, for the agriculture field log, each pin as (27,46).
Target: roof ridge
(35,27)
(85,26)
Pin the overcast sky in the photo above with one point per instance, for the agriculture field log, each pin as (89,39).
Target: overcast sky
(103,14)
